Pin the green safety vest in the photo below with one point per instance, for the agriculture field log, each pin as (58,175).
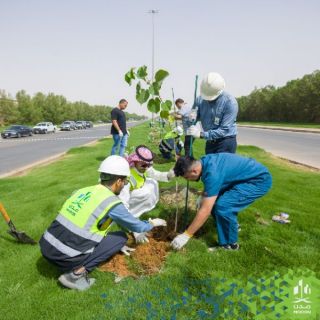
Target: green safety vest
(171,135)
(80,215)
(136,179)
(87,206)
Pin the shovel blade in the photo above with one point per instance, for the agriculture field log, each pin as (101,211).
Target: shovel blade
(21,237)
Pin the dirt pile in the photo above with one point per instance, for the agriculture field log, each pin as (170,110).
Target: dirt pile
(148,258)
(145,260)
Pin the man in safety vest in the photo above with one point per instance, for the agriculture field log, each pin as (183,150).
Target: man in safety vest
(170,142)
(142,193)
(78,239)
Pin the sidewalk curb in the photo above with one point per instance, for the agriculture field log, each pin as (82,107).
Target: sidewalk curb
(281,128)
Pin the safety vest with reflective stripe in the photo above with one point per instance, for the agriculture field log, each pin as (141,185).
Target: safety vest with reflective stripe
(136,179)
(81,215)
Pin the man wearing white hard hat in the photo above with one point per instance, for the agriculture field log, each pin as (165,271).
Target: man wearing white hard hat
(217,111)
(78,239)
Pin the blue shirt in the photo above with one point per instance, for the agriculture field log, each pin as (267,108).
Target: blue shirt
(222,171)
(218,117)
(121,216)
(184,112)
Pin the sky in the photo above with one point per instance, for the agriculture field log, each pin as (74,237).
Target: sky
(82,49)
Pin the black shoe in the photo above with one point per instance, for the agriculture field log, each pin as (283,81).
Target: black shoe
(233,246)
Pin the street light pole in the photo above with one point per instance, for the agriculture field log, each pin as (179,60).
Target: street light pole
(153,12)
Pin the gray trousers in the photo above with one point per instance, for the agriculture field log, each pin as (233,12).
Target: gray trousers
(108,247)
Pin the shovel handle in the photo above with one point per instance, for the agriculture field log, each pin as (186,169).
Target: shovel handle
(4,213)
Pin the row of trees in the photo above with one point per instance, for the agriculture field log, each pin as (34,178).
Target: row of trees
(24,109)
(297,101)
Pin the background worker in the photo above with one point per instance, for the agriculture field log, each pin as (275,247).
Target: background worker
(171,142)
(119,130)
(182,115)
(142,193)
(217,111)
(78,240)
(231,183)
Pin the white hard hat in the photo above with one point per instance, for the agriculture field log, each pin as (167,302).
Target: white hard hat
(212,86)
(115,165)
(179,130)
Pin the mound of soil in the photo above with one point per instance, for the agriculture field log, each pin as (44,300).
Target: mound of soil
(148,258)
(145,260)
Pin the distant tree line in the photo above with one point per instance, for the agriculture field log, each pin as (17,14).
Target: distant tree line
(24,109)
(297,101)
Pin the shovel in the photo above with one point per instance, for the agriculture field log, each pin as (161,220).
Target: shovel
(20,236)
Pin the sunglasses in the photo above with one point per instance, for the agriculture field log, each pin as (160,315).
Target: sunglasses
(125,181)
(145,165)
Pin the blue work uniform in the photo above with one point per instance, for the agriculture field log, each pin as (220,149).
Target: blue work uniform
(218,120)
(237,182)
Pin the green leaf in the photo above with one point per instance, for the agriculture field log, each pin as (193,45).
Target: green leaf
(154,105)
(154,89)
(138,88)
(142,96)
(166,106)
(129,76)
(142,72)
(164,114)
(161,75)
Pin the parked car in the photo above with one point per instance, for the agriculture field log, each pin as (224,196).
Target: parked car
(44,127)
(89,124)
(16,131)
(68,126)
(79,125)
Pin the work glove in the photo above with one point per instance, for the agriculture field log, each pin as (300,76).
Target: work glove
(158,222)
(181,144)
(180,240)
(194,131)
(170,174)
(140,237)
(198,202)
(128,133)
(126,250)
(192,116)
(120,133)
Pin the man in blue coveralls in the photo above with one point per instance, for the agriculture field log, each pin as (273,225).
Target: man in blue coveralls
(217,112)
(231,183)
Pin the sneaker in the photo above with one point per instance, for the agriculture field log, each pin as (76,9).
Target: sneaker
(233,246)
(76,281)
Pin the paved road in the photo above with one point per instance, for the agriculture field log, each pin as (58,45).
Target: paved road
(16,154)
(296,146)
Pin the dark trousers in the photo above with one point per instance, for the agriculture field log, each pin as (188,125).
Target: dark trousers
(235,200)
(108,247)
(187,145)
(227,144)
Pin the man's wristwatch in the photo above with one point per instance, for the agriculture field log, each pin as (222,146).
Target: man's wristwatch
(201,135)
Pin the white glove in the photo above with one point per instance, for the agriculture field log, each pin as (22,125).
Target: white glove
(126,250)
(180,240)
(181,144)
(193,115)
(140,237)
(193,131)
(120,133)
(128,133)
(170,174)
(158,222)
(198,202)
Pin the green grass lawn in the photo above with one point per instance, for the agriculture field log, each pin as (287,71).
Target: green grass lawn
(282,124)
(28,284)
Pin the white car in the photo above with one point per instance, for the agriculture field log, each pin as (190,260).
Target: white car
(44,127)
